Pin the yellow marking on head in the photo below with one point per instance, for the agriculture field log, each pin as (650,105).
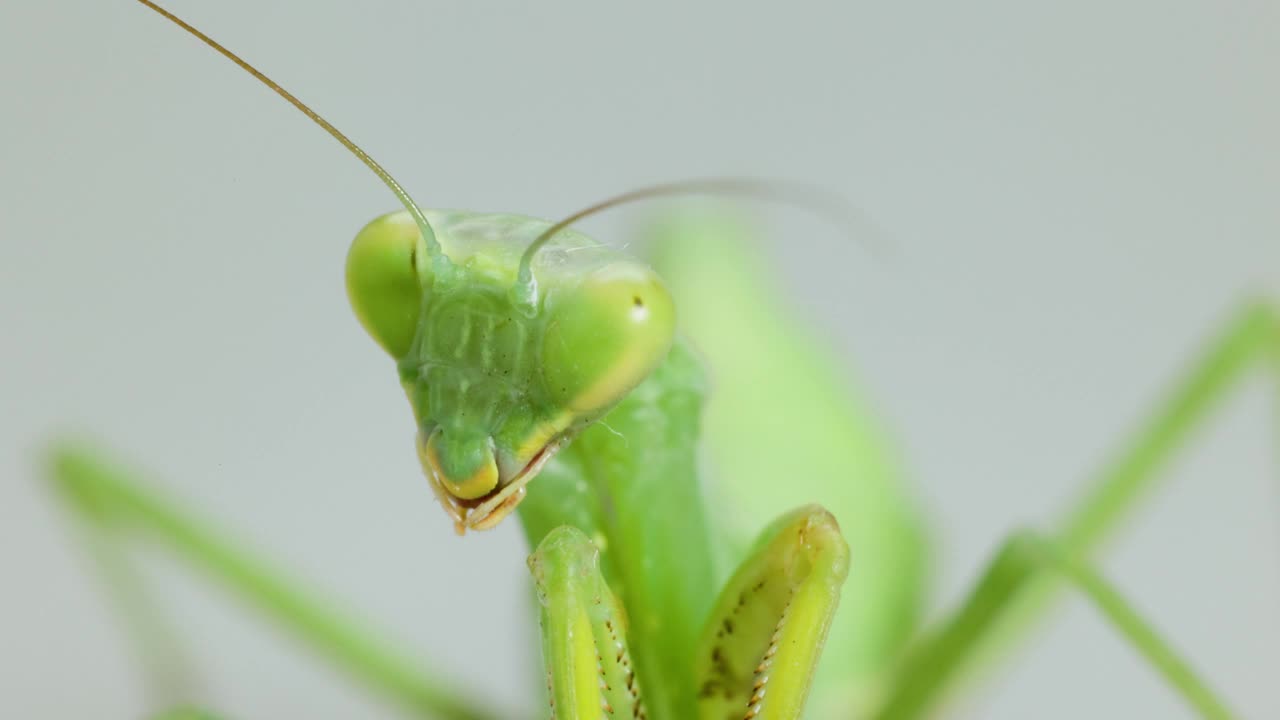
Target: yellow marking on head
(480,483)
(618,382)
(544,433)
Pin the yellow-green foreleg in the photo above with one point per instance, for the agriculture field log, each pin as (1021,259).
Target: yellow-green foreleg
(584,645)
(762,641)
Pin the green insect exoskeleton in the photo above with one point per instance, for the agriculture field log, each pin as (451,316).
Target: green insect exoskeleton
(589,672)
(511,337)
(527,350)
(497,384)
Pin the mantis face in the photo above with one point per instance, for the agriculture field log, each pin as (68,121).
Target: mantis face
(498,384)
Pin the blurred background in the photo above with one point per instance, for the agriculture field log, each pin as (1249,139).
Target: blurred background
(1078,196)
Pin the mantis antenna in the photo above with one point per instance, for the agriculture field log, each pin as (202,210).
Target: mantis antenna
(808,197)
(440,261)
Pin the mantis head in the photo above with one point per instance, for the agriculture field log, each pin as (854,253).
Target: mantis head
(510,334)
(501,373)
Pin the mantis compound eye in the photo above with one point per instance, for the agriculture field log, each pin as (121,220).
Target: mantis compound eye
(383,282)
(606,335)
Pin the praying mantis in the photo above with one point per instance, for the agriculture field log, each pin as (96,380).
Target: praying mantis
(1264,323)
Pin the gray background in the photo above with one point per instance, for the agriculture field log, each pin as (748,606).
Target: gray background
(1080,195)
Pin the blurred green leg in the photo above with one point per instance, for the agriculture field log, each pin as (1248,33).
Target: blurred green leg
(110,504)
(1252,338)
(168,676)
(1022,559)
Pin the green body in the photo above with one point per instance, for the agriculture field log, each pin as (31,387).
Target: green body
(630,484)
(481,364)
(653,600)
(632,558)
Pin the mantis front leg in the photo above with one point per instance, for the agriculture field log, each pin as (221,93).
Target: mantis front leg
(759,647)
(584,643)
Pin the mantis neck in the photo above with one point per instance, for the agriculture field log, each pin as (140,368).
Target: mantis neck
(630,483)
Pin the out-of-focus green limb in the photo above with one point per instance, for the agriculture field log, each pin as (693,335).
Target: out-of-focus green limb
(584,644)
(784,427)
(1021,560)
(1252,338)
(763,639)
(108,498)
(630,483)
(167,672)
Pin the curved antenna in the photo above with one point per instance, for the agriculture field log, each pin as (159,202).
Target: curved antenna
(439,260)
(811,198)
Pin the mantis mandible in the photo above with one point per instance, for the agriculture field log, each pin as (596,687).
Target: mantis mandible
(624,588)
